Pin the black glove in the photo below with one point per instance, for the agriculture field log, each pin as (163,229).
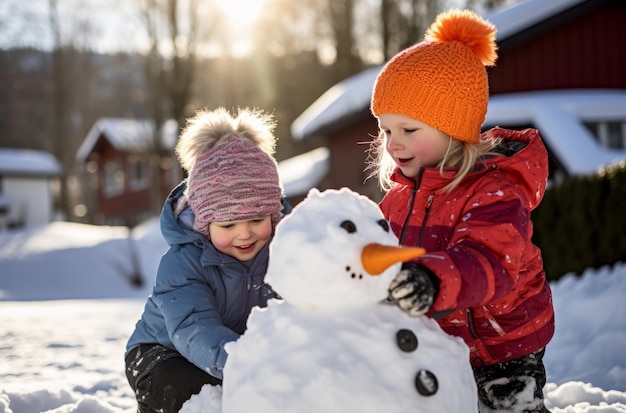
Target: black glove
(414,289)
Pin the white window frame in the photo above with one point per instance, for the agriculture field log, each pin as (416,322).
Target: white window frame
(602,128)
(138,173)
(113,178)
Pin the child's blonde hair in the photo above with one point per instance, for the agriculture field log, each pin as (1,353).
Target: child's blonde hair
(207,127)
(460,154)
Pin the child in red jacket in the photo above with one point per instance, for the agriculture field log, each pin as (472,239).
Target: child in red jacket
(466,199)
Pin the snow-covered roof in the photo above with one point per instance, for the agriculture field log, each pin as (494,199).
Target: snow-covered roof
(26,162)
(585,104)
(343,99)
(560,115)
(127,135)
(514,19)
(303,172)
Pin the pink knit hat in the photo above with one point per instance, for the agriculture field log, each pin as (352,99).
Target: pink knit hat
(234,180)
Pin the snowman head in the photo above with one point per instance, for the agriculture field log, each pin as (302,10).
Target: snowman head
(321,255)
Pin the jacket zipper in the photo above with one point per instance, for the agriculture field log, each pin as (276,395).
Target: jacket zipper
(245,303)
(474,333)
(252,270)
(470,323)
(416,185)
(429,203)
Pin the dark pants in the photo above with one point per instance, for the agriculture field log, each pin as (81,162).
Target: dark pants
(513,386)
(162,379)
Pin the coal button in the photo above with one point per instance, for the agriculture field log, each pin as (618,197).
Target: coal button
(426,383)
(407,340)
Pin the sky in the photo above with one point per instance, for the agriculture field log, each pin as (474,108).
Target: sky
(27,24)
(109,27)
(67,308)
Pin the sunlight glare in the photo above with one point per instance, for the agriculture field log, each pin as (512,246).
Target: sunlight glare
(240,17)
(238,12)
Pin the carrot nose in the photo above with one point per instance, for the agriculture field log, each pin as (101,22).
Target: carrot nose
(376,258)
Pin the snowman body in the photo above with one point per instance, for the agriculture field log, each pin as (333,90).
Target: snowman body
(316,362)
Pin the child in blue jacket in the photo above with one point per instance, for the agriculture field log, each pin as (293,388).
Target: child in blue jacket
(218,224)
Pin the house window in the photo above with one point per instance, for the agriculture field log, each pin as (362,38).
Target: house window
(138,173)
(113,179)
(609,134)
(615,135)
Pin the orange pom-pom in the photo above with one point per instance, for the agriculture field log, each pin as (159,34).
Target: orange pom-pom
(468,28)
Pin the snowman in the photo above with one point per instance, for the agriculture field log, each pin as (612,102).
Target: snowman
(333,343)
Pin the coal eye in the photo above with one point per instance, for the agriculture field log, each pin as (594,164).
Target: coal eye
(383,224)
(348,226)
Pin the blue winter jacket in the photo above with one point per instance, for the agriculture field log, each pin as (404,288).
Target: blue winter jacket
(201,298)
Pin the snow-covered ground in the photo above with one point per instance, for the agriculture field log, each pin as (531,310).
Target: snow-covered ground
(67,307)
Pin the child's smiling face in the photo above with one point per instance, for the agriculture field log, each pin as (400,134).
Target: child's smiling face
(412,144)
(241,239)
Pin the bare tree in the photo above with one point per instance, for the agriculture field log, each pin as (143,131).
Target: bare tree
(59,104)
(70,70)
(403,23)
(172,34)
(172,30)
(341,18)
(70,73)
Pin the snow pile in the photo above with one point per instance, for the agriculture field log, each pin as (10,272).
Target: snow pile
(65,260)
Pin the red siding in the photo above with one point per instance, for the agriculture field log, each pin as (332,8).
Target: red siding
(131,205)
(587,52)
(348,149)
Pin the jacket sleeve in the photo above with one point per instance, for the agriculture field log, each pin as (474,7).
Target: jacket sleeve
(488,246)
(190,311)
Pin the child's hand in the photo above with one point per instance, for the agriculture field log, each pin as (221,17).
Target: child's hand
(413,289)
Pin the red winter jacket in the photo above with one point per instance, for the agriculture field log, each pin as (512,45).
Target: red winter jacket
(493,292)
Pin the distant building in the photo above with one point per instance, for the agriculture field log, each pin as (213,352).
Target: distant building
(561,69)
(28,188)
(118,151)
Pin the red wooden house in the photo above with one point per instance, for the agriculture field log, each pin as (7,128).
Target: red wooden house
(547,46)
(118,152)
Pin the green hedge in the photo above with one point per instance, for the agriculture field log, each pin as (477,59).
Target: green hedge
(581,223)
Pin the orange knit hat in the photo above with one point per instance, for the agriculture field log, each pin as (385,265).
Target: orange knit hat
(442,81)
